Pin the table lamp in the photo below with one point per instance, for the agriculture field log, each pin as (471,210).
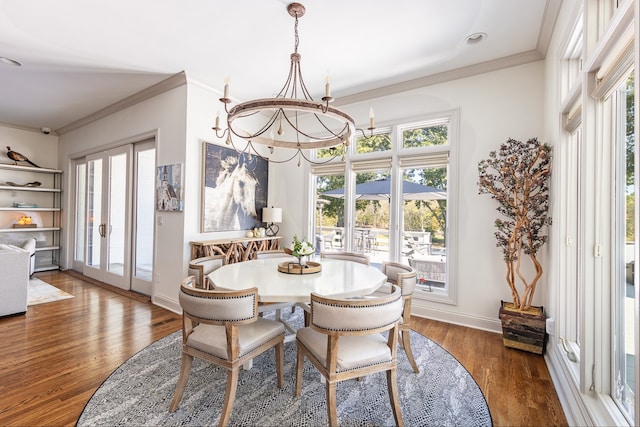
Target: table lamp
(272,216)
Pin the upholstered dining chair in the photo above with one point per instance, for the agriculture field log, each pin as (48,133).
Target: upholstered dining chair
(347,256)
(200,267)
(275,253)
(405,277)
(344,341)
(223,327)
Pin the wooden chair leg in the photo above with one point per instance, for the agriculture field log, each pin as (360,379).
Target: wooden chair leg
(307,319)
(185,370)
(332,410)
(394,397)
(229,396)
(406,344)
(299,367)
(280,363)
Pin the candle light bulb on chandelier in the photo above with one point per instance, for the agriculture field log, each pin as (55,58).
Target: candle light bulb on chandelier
(226,88)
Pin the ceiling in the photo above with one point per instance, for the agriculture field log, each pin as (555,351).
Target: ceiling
(81,56)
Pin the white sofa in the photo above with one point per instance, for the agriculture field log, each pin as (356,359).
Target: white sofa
(14,279)
(28,244)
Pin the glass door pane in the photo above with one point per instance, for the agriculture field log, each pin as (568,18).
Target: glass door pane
(80,216)
(372,212)
(94,213)
(329,217)
(424,217)
(144,211)
(117,211)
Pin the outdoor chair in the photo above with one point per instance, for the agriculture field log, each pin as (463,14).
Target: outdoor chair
(223,328)
(200,267)
(429,272)
(347,256)
(405,278)
(344,341)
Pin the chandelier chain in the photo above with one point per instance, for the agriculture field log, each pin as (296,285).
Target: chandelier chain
(296,38)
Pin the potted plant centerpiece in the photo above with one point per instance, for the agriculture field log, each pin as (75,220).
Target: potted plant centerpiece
(300,249)
(517,177)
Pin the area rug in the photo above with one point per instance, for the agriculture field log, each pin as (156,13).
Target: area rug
(139,392)
(40,292)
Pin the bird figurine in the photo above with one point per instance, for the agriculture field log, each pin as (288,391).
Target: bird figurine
(17,157)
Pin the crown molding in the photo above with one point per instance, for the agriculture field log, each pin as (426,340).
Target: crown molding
(443,77)
(177,80)
(19,127)
(549,19)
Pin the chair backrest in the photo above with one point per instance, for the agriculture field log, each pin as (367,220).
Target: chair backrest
(356,316)
(402,275)
(216,306)
(347,256)
(200,267)
(278,253)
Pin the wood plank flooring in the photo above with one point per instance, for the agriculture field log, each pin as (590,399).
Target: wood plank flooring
(58,354)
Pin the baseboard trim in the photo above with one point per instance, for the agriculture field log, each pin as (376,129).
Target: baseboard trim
(456,318)
(166,303)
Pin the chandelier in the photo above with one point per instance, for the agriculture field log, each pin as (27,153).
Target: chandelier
(291,119)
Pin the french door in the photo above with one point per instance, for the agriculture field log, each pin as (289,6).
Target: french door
(108,217)
(114,216)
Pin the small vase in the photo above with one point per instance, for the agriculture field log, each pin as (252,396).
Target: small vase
(302,261)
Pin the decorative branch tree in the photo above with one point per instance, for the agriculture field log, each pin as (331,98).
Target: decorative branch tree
(517,177)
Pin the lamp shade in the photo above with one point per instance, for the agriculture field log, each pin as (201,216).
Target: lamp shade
(272,215)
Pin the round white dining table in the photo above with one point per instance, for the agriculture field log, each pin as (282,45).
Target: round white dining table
(338,278)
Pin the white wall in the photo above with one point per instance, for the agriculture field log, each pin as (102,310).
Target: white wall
(493,107)
(39,148)
(163,116)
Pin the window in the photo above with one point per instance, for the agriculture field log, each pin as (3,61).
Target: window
(432,134)
(624,327)
(380,141)
(391,199)
(568,218)
(594,218)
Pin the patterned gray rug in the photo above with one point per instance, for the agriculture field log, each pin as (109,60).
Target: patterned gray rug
(139,392)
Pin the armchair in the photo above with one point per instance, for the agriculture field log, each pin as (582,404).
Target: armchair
(223,328)
(344,341)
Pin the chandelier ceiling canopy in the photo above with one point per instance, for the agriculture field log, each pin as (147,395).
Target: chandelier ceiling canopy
(291,119)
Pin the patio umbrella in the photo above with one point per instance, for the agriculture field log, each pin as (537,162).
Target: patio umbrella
(381,190)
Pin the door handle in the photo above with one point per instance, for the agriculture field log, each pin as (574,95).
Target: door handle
(101,230)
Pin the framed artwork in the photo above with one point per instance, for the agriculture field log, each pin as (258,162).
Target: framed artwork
(234,189)
(169,189)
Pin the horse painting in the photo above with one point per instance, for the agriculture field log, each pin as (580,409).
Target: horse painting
(234,191)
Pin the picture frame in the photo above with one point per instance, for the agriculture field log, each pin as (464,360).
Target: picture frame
(234,189)
(169,188)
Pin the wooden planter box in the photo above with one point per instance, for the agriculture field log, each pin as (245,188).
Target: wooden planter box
(523,330)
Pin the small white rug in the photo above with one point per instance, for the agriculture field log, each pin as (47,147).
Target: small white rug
(40,292)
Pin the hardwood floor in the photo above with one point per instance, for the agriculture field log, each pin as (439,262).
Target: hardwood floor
(57,354)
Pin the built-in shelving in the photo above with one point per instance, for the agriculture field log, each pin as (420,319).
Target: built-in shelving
(48,209)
